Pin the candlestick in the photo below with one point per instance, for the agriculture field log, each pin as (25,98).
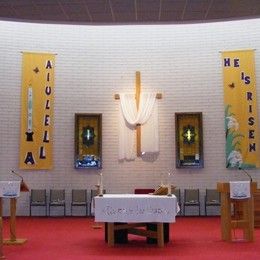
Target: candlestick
(169,186)
(101,185)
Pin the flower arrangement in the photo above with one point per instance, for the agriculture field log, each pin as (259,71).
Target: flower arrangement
(234,157)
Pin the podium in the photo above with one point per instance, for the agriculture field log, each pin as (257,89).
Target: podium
(11,190)
(229,221)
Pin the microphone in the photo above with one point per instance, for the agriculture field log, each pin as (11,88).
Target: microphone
(246,173)
(24,186)
(15,173)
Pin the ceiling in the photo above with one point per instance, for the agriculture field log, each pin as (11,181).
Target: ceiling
(127,11)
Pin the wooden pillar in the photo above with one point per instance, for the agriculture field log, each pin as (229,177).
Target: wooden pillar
(160,235)
(13,219)
(110,234)
(225,217)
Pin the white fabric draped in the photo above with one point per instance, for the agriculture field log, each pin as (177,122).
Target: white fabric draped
(129,117)
(128,106)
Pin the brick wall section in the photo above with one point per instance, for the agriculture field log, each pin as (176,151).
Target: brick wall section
(95,62)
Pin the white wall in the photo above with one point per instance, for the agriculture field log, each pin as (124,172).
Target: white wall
(95,62)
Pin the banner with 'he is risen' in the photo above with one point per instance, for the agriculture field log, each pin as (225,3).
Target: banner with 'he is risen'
(241,122)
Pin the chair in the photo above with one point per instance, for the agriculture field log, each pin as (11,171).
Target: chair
(212,198)
(177,193)
(57,199)
(79,199)
(93,193)
(191,199)
(38,198)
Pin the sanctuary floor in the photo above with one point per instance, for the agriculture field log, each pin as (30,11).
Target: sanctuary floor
(75,238)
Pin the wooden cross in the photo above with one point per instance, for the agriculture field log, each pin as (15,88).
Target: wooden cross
(137,97)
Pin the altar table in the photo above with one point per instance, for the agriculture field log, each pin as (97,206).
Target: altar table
(134,211)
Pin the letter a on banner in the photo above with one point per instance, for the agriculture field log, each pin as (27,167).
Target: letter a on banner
(241,122)
(37,98)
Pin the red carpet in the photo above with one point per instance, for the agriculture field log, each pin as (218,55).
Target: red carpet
(75,238)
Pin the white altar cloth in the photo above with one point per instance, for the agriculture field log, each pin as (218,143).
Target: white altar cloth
(135,208)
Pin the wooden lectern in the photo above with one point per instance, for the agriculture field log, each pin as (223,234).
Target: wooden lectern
(13,199)
(244,221)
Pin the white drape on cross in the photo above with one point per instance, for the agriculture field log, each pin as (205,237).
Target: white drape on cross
(129,117)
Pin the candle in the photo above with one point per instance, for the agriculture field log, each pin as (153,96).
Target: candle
(161,179)
(169,185)
(101,185)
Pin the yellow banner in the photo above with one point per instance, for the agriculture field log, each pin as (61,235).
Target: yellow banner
(37,97)
(241,122)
